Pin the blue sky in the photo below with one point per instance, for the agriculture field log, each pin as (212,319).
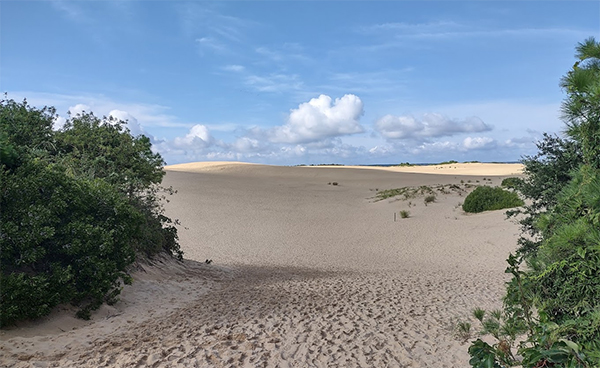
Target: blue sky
(292,82)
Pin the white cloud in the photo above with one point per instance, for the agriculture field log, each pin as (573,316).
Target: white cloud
(320,118)
(210,43)
(132,123)
(274,82)
(234,68)
(72,10)
(286,52)
(198,137)
(59,122)
(79,108)
(429,126)
(471,143)
(247,145)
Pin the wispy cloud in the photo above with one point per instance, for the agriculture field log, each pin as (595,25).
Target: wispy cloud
(234,68)
(275,83)
(394,35)
(71,10)
(146,114)
(287,52)
(368,82)
(210,43)
(210,28)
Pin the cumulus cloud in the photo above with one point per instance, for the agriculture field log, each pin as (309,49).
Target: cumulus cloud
(431,125)
(132,123)
(248,145)
(79,108)
(471,143)
(198,137)
(319,119)
(59,123)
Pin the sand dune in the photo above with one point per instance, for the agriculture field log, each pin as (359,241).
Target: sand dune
(305,274)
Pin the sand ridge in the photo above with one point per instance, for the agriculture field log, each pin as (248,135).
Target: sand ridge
(470,168)
(305,274)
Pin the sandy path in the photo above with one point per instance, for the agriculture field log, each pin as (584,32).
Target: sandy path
(305,274)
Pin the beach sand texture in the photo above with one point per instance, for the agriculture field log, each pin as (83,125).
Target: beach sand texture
(304,274)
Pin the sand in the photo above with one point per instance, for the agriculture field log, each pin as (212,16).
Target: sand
(304,274)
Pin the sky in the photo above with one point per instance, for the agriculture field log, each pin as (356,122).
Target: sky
(303,82)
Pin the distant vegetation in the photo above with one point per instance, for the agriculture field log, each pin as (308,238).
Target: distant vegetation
(447,162)
(405,164)
(78,205)
(486,198)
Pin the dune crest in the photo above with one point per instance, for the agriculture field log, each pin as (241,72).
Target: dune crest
(471,168)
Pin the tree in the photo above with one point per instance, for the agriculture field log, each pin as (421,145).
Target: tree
(77,207)
(555,301)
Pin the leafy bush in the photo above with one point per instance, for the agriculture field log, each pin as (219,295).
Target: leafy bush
(404,214)
(429,199)
(511,183)
(555,300)
(490,199)
(77,205)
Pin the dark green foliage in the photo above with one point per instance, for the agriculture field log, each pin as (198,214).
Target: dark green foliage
(511,183)
(95,148)
(448,162)
(77,205)
(546,173)
(482,355)
(489,199)
(555,301)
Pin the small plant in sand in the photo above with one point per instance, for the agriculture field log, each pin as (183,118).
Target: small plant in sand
(463,330)
(429,199)
(404,214)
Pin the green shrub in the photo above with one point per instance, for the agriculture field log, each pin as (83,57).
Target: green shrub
(404,214)
(429,199)
(490,199)
(552,305)
(76,207)
(511,183)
